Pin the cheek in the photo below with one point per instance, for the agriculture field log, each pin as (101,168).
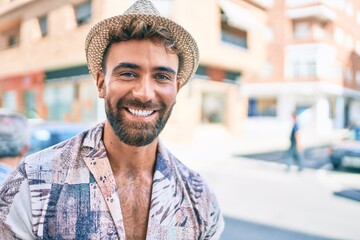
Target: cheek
(168,95)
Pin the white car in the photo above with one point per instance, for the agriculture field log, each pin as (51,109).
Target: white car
(347,152)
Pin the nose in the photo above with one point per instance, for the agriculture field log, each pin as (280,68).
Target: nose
(144,90)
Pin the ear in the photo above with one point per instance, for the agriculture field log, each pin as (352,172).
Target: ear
(100,83)
(178,81)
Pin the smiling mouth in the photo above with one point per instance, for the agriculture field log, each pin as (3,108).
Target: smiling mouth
(139,112)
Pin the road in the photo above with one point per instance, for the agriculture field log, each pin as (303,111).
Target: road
(261,200)
(240,229)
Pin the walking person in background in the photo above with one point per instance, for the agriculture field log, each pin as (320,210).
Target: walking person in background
(295,151)
(118,180)
(13,141)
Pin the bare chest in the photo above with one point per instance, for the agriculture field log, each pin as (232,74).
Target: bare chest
(135,197)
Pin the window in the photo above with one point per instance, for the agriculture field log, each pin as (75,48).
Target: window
(9,100)
(301,30)
(304,68)
(262,107)
(30,103)
(311,68)
(232,38)
(233,76)
(13,40)
(296,69)
(211,73)
(201,71)
(43,25)
(232,35)
(213,107)
(83,13)
(59,99)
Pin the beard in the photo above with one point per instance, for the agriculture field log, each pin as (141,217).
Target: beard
(135,133)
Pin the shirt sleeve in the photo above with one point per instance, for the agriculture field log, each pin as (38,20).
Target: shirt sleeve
(15,208)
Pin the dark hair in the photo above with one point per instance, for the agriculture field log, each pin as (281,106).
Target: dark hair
(139,30)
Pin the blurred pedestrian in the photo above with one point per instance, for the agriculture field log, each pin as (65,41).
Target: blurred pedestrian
(295,151)
(117,180)
(13,141)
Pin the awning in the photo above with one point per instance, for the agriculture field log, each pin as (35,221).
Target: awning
(239,17)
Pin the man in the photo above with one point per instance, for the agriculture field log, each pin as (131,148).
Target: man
(295,150)
(117,180)
(13,141)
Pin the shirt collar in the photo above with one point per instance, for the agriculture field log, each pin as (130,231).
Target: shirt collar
(93,140)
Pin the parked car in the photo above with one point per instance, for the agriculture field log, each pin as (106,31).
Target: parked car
(46,134)
(347,152)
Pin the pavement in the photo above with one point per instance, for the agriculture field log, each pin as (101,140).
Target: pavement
(264,199)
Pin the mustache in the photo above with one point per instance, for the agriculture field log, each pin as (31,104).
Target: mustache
(138,104)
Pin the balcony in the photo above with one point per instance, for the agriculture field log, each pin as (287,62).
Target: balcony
(312,60)
(320,12)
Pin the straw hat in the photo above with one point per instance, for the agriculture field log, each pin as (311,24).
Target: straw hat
(98,38)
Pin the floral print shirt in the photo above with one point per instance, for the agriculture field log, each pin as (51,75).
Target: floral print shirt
(68,191)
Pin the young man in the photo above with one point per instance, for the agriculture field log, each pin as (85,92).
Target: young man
(117,181)
(13,141)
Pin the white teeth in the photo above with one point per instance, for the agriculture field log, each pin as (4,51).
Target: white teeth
(140,113)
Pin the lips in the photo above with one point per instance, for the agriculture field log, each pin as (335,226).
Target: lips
(140,112)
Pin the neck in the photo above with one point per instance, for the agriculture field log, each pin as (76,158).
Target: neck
(124,158)
(11,161)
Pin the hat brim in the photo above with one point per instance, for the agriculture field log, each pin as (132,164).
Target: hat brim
(98,39)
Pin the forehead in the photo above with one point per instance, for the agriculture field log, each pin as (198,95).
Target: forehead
(141,52)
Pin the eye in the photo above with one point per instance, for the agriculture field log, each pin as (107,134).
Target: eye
(128,74)
(162,77)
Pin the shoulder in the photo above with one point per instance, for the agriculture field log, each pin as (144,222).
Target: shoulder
(196,186)
(203,200)
(59,156)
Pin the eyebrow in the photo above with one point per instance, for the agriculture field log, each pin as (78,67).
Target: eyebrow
(165,69)
(125,65)
(135,66)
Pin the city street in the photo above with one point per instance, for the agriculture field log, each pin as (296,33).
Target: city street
(261,200)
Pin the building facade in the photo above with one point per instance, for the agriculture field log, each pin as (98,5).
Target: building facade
(43,70)
(312,65)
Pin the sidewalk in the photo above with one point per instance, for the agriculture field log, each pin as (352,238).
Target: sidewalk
(210,140)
